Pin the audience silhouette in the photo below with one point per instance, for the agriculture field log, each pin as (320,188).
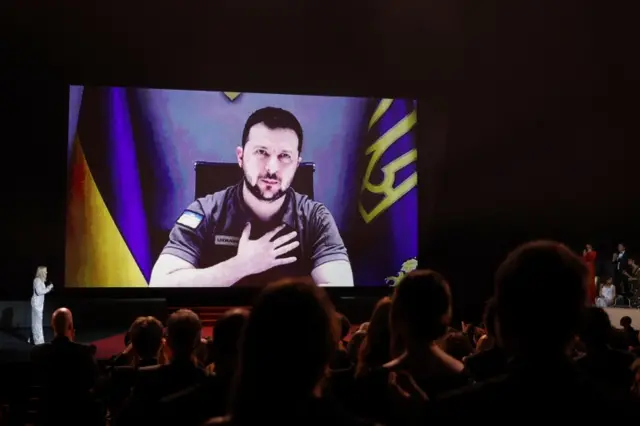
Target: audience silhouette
(293,360)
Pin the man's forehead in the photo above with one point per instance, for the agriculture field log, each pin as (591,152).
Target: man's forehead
(279,139)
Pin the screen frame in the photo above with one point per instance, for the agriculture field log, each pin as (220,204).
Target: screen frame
(192,293)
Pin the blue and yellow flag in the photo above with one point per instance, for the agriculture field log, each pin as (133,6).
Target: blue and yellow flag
(107,241)
(388,199)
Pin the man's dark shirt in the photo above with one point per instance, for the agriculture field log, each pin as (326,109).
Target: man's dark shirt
(195,404)
(156,382)
(120,381)
(633,339)
(67,371)
(64,364)
(214,224)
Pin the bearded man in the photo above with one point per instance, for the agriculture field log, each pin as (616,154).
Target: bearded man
(260,229)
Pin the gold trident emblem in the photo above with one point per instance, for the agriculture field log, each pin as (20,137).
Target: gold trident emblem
(388,187)
(232,95)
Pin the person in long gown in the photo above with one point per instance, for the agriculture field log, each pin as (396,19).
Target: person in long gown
(589,255)
(40,288)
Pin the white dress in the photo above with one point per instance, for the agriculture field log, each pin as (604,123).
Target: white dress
(37,309)
(606,297)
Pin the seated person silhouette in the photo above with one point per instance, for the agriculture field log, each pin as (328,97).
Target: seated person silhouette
(67,371)
(154,382)
(541,377)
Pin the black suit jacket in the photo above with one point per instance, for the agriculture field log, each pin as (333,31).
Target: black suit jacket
(67,372)
(158,381)
(64,364)
(196,404)
(120,381)
(154,383)
(621,263)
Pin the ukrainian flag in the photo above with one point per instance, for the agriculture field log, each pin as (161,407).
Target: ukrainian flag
(107,236)
(387,234)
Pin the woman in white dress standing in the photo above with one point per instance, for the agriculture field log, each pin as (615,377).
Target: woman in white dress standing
(37,304)
(607,294)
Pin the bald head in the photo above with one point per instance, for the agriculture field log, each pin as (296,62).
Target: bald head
(62,322)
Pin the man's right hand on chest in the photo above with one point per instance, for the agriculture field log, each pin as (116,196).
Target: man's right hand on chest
(262,254)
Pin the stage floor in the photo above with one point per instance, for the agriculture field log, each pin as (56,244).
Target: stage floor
(616,313)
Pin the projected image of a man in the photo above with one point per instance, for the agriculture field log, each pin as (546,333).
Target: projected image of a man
(259,229)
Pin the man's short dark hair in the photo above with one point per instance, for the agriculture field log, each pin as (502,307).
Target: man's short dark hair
(523,277)
(273,118)
(625,321)
(183,331)
(146,336)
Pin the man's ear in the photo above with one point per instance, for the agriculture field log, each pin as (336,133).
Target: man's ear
(299,159)
(239,155)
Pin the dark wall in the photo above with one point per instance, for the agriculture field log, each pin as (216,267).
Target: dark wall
(527,113)
(541,143)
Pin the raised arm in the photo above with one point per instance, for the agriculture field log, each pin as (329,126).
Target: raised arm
(39,288)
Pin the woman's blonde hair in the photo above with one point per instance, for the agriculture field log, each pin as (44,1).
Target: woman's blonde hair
(40,272)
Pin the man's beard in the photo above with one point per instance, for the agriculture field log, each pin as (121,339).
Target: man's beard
(257,192)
